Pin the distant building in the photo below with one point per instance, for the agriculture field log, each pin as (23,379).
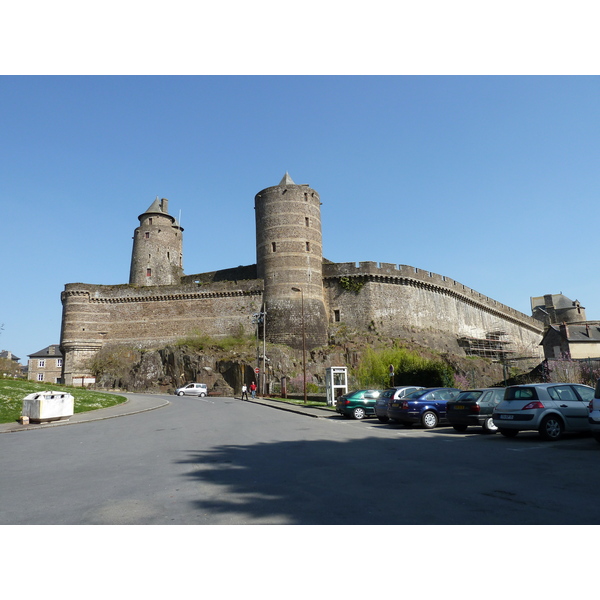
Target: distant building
(46,365)
(557,308)
(9,364)
(567,334)
(572,340)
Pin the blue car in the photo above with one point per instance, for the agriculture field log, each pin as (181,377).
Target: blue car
(427,407)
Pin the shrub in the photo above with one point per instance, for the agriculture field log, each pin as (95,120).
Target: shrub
(410,368)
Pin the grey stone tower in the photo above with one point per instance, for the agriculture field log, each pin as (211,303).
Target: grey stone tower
(289,254)
(157,254)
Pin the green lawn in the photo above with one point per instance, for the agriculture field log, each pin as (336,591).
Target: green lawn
(13,391)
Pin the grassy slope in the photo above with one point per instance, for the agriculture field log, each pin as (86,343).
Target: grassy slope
(12,393)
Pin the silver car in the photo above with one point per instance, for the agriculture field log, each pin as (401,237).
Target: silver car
(594,416)
(193,389)
(549,408)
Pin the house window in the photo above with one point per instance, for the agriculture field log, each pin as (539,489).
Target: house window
(336,316)
(40,377)
(147,235)
(59,362)
(41,364)
(274,246)
(148,272)
(308,246)
(306,221)
(150,221)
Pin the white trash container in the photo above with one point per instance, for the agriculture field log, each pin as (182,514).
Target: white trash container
(48,406)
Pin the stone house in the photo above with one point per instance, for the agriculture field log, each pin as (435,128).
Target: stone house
(46,365)
(572,340)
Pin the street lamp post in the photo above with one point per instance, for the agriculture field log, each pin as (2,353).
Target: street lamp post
(259,319)
(295,289)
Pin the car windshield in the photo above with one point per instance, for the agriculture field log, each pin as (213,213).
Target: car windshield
(387,393)
(470,395)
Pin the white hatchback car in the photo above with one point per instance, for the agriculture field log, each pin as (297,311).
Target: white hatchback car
(594,416)
(549,408)
(193,389)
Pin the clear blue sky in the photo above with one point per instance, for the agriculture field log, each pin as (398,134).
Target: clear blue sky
(492,181)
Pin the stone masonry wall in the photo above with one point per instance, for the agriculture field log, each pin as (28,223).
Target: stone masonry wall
(96,315)
(390,299)
(394,299)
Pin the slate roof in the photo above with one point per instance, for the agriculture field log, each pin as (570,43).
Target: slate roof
(579,332)
(287,180)
(7,354)
(52,351)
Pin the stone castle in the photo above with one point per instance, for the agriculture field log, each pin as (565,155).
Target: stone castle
(304,296)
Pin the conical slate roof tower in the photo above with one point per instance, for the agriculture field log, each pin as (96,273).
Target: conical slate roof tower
(289,258)
(157,256)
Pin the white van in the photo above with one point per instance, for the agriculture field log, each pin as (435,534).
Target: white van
(193,389)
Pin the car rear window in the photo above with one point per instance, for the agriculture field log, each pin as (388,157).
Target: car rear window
(469,395)
(527,393)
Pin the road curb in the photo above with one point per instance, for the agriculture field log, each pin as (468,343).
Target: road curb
(86,417)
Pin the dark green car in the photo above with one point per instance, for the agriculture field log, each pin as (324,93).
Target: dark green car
(359,404)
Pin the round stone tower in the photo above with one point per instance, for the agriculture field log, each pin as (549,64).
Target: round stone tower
(157,255)
(289,258)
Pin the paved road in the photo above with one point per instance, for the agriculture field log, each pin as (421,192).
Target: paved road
(223,461)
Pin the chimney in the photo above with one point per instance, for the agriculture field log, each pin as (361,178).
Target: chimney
(164,205)
(564,330)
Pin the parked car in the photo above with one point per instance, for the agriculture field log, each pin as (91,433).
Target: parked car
(474,407)
(193,389)
(359,404)
(594,416)
(549,408)
(381,406)
(427,407)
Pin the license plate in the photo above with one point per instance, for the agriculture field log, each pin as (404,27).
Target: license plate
(459,407)
(395,404)
(506,416)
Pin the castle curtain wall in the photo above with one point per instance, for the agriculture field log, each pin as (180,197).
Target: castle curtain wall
(394,300)
(95,315)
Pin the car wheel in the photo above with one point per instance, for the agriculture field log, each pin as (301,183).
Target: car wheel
(597,437)
(358,413)
(489,426)
(384,419)
(202,395)
(429,419)
(509,432)
(180,393)
(551,428)
(460,427)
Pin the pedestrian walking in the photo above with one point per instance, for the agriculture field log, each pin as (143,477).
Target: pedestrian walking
(253,389)
(244,391)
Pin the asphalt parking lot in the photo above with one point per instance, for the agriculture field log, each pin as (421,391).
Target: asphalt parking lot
(223,461)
